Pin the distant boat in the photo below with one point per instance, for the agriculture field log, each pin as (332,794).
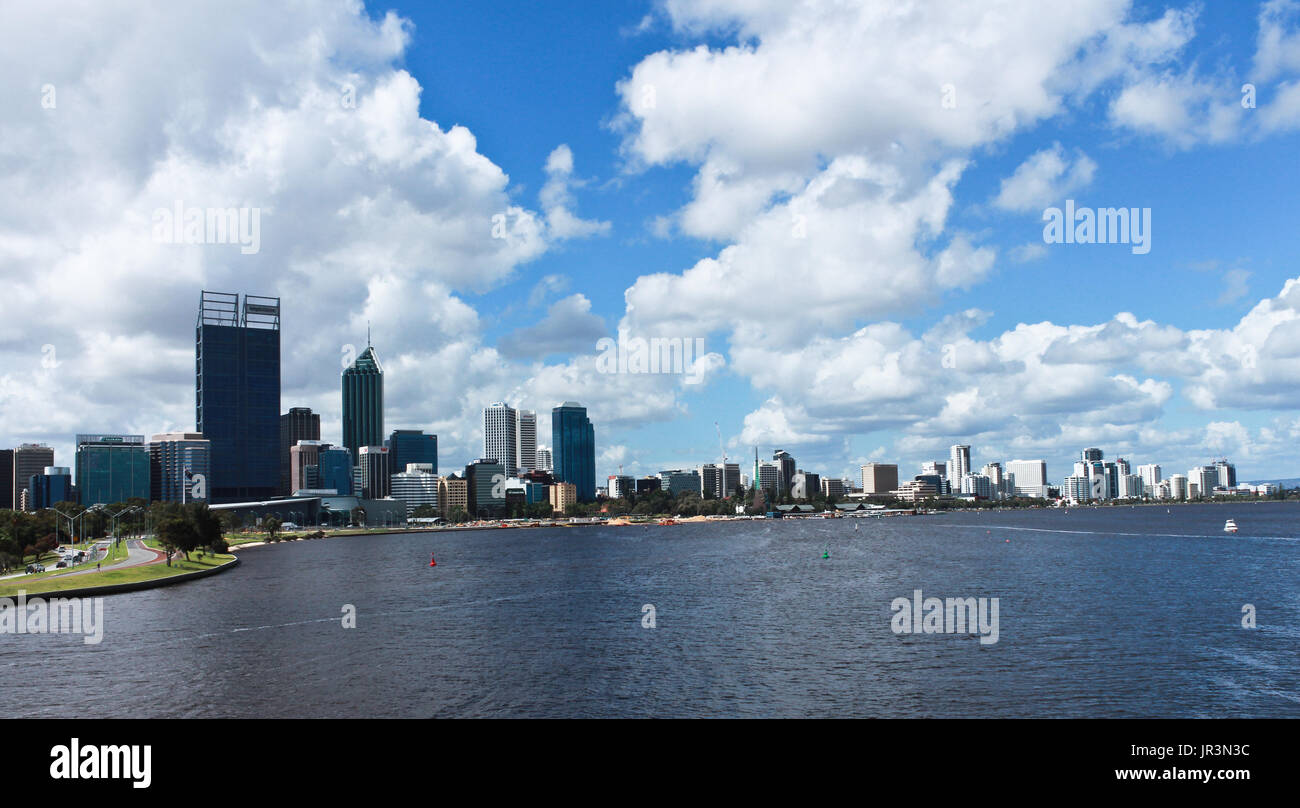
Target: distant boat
(1229,526)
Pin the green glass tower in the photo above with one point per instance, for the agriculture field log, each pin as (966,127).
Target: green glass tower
(363,403)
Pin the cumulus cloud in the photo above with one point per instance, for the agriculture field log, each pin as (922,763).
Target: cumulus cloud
(1046,177)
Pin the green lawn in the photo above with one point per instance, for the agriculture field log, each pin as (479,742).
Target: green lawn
(34,584)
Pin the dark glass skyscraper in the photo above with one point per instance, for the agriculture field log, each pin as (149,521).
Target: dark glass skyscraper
(363,403)
(573,439)
(111,469)
(299,423)
(237,408)
(412,446)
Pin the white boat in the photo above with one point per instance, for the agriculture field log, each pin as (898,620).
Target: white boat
(1229,526)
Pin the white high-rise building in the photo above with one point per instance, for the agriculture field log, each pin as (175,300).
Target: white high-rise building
(526,435)
(1150,475)
(1030,477)
(977,485)
(958,463)
(500,436)
(544,459)
(1131,486)
(1204,478)
(934,467)
(1178,487)
(416,486)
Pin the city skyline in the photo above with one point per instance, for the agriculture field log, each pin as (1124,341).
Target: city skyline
(965,327)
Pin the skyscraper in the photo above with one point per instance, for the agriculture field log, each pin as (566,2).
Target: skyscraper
(786,464)
(573,440)
(413,446)
(30,459)
(485,487)
(501,436)
(544,460)
(7,479)
(527,440)
(376,471)
(111,469)
(171,455)
(958,463)
(299,423)
(879,478)
(237,393)
(363,403)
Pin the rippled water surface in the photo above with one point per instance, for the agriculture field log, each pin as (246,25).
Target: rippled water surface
(1102,612)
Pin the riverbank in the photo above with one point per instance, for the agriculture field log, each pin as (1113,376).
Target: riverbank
(129,579)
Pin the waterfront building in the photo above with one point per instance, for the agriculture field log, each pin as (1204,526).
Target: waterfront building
(786,465)
(29,460)
(935,467)
(305,455)
(485,486)
(645,485)
(6,479)
(363,403)
(299,423)
(620,486)
(573,439)
(806,485)
(832,487)
(177,460)
(1131,487)
(958,462)
(111,469)
(1150,475)
(1076,488)
(879,478)
(562,495)
(1178,487)
(1030,477)
(413,446)
(526,434)
(977,485)
(237,394)
(916,490)
(416,486)
(678,481)
(334,470)
(1226,473)
(768,477)
(453,494)
(376,464)
(1204,478)
(501,436)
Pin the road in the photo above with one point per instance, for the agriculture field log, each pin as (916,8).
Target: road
(137,555)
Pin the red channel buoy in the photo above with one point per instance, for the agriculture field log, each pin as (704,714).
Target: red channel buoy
(432,562)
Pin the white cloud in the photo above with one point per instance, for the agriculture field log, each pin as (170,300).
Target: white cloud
(1044,178)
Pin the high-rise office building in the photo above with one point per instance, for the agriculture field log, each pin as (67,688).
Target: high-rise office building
(175,458)
(7,480)
(620,486)
(958,463)
(111,469)
(573,440)
(1204,478)
(934,468)
(413,446)
(526,434)
(334,470)
(879,478)
(544,459)
(30,459)
(53,485)
(376,467)
(363,403)
(1226,474)
(304,456)
(299,423)
(768,477)
(832,487)
(1091,455)
(806,485)
(485,487)
(1029,478)
(1150,475)
(501,436)
(416,486)
(787,467)
(678,481)
(237,394)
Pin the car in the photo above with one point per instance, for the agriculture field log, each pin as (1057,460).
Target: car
(61,565)
(35,568)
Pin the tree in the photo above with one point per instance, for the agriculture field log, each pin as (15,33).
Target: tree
(271,524)
(176,533)
(359,516)
(425,512)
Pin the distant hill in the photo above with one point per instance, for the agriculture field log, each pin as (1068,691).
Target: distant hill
(1289,482)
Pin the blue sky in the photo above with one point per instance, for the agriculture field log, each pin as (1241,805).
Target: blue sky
(921,224)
